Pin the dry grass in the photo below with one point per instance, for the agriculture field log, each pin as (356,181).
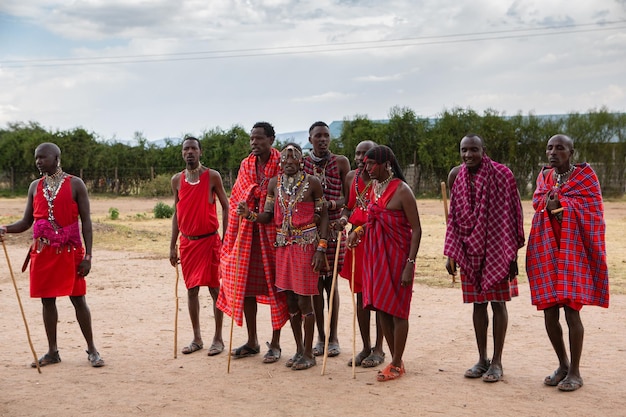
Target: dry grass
(136,230)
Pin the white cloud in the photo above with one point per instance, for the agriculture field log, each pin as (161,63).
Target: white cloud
(294,61)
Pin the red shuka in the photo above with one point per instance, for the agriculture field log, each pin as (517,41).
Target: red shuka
(387,245)
(54,269)
(197,216)
(237,248)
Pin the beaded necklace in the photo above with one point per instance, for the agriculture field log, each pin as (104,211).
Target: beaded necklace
(289,199)
(380,187)
(362,199)
(562,177)
(192,176)
(320,172)
(51,186)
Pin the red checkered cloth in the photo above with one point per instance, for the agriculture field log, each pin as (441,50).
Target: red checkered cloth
(237,248)
(387,242)
(576,270)
(357,218)
(502,291)
(485,226)
(327,171)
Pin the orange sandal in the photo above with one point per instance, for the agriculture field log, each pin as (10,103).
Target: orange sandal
(390,372)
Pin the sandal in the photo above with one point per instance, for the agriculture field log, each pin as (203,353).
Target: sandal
(244,351)
(193,347)
(374,359)
(47,359)
(478,370)
(94,358)
(359,358)
(295,358)
(390,372)
(318,349)
(272,355)
(216,349)
(303,363)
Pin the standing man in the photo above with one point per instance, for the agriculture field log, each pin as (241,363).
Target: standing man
(294,201)
(248,260)
(331,170)
(195,218)
(566,255)
(485,230)
(58,261)
(392,238)
(358,185)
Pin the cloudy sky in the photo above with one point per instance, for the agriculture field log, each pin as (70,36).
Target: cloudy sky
(164,68)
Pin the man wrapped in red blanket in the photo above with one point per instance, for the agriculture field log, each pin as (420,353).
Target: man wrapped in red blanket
(566,256)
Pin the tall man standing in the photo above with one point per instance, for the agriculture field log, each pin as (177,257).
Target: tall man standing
(331,170)
(566,255)
(484,232)
(195,218)
(248,261)
(58,261)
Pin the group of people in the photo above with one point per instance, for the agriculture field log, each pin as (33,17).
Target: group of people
(282,241)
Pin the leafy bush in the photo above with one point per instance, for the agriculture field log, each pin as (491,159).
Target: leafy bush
(114,213)
(163,211)
(160,186)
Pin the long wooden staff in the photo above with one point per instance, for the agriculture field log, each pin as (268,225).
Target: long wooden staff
(354,307)
(232,304)
(444,194)
(19,301)
(330,302)
(176,311)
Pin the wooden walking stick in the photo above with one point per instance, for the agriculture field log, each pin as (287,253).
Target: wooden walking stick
(444,194)
(354,307)
(176,312)
(19,301)
(330,303)
(232,304)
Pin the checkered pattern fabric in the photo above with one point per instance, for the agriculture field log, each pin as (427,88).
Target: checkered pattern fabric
(235,259)
(575,270)
(483,235)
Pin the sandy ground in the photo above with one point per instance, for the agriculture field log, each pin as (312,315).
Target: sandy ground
(132,298)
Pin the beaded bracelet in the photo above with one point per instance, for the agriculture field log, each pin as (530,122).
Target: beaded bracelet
(251,216)
(322,245)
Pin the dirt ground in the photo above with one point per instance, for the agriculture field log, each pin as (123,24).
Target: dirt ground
(132,299)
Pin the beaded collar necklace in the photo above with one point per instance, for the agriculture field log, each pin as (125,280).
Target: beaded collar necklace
(380,187)
(51,186)
(192,176)
(289,196)
(562,177)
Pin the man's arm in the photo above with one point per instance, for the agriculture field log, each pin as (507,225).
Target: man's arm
(174,239)
(82,200)
(27,219)
(346,212)
(218,188)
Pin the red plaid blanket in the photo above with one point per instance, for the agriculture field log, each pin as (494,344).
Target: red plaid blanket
(483,237)
(235,256)
(577,270)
